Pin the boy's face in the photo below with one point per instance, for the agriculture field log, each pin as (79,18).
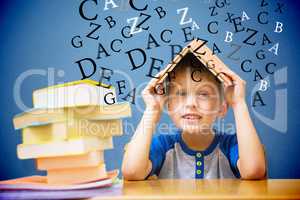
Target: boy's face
(194,99)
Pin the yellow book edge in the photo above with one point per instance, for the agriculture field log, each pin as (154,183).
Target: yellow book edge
(77,82)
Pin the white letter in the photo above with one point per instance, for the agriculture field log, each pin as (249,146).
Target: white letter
(195,25)
(133,29)
(245,16)
(228,35)
(275,48)
(109,2)
(278,28)
(185,10)
(263,85)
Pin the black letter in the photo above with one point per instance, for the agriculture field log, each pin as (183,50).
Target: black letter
(193,78)
(123,34)
(135,8)
(242,65)
(280,5)
(162,35)
(208,27)
(84,76)
(142,22)
(134,66)
(229,15)
(113,99)
(173,53)
(101,50)
(216,48)
(94,30)
(121,86)
(80,42)
(265,39)
(150,74)
(81,10)
(263,56)
(267,68)
(187,33)
(257,74)
(248,38)
(213,13)
(263,3)
(196,50)
(257,97)
(105,77)
(132,96)
(151,40)
(160,10)
(112,45)
(236,24)
(259,19)
(110,21)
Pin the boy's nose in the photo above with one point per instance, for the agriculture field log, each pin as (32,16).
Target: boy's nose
(190,101)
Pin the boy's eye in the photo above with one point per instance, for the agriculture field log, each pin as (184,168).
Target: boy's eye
(180,93)
(203,94)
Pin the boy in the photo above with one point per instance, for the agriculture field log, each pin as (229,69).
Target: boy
(194,100)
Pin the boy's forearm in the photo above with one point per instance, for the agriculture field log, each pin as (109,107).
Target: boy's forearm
(251,153)
(136,157)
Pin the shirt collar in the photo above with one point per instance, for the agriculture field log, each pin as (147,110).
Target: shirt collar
(192,152)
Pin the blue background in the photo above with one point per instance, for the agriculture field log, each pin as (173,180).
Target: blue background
(36,34)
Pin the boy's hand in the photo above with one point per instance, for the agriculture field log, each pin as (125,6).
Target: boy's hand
(235,93)
(252,162)
(153,95)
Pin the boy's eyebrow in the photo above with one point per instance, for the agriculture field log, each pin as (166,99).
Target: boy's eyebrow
(207,86)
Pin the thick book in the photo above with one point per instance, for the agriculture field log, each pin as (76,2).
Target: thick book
(105,192)
(71,129)
(76,175)
(76,93)
(64,148)
(38,117)
(39,183)
(90,159)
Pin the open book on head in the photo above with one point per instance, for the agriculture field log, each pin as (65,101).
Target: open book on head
(198,48)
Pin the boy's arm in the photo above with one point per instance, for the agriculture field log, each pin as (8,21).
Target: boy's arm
(251,162)
(136,164)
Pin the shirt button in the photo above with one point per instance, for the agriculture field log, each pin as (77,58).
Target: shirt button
(199,171)
(199,163)
(198,155)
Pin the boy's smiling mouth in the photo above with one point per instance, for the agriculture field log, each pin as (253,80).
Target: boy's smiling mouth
(191,116)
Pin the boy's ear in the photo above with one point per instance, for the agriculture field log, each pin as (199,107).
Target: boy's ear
(223,109)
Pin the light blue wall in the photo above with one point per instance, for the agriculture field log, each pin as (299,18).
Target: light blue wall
(36,34)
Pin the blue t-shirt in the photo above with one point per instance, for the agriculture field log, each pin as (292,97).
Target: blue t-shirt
(172,158)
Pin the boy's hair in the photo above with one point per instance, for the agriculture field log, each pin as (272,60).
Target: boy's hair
(191,61)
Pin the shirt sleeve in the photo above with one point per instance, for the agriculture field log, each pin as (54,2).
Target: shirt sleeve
(157,154)
(230,148)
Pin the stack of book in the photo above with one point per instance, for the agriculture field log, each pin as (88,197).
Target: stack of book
(68,130)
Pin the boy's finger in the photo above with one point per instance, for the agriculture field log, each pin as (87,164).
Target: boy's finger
(153,81)
(225,84)
(159,89)
(226,87)
(226,79)
(233,76)
(226,70)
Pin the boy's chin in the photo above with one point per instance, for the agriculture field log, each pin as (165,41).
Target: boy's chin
(192,129)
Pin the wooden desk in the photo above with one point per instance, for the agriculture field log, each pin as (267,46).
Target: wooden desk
(207,189)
